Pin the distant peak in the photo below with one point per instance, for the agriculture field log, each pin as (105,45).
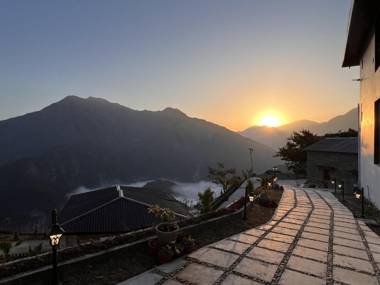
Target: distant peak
(71,98)
(173,112)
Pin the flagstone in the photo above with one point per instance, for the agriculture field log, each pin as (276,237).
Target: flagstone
(199,274)
(308,266)
(292,277)
(214,256)
(256,268)
(353,277)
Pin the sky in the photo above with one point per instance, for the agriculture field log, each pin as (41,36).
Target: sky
(229,62)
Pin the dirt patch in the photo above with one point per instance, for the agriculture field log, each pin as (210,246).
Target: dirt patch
(130,262)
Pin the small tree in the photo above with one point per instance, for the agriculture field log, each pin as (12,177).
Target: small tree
(294,151)
(222,176)
(205,199)
(6,248)
(249,187)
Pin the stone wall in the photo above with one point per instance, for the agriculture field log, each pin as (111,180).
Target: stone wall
(324,166)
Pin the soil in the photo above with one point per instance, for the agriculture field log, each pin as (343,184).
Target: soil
(128,263)
(355,207)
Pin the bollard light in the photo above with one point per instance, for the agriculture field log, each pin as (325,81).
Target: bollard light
(359,194)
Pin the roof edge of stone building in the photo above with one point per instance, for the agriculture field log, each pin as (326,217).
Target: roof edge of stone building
(348,145)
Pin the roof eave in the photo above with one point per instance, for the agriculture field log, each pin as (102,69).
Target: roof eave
(362,20)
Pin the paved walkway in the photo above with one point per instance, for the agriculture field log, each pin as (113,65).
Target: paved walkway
(311,239)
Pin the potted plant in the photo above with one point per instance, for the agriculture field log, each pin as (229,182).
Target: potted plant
(165,254)
(188,244)
(167,230)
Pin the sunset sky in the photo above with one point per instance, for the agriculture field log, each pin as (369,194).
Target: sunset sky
(230,62)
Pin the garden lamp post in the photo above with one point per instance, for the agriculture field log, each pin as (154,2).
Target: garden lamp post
(251,159)
(245,203)
(247,195)
(340,186)
(55,235)
(333,182)
(359,194)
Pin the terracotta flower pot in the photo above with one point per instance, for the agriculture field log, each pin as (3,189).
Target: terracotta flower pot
(167,232)
(153,247)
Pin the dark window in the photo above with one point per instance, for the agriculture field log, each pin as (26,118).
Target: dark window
(377,132)
(326,174)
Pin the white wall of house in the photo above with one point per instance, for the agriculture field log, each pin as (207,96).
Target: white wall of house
(369,93)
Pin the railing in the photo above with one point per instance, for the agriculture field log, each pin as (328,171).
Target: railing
(224,197)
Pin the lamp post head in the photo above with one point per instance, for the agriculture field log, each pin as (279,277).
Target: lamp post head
(250,198)
(358,193)
(340,185)
(333,181)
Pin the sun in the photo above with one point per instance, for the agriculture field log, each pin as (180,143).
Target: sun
(270,121)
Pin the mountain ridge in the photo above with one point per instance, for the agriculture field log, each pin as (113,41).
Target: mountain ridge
(276,137)
(89,142)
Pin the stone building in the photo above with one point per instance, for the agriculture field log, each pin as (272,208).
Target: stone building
(333,159)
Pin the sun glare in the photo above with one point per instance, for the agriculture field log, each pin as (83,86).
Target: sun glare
(269,121)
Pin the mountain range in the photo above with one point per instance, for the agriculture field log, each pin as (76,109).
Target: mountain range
(276,137)
(91,142)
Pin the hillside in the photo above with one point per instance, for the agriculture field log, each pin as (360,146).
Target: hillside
(91,142)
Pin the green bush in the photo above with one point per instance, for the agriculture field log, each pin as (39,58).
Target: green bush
(205,200)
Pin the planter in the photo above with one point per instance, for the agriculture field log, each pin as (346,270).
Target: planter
(153,247)
(167,232)
(165,254)
(164,258)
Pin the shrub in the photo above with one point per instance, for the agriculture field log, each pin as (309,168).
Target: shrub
(265,201)
(206,199)
(164,214)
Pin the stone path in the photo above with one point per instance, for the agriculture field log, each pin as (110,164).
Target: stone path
(311,239)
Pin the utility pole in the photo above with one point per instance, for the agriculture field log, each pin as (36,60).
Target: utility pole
(251,159)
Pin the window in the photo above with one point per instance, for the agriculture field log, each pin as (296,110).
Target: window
(376,152)
(377,45)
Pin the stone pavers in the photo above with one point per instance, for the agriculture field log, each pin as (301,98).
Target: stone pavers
(311,239)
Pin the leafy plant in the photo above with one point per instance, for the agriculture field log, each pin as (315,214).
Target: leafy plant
(266,201)
(165,214)
(249,187)
(6,248)
(166,250)
(188,244)
(266,180)
(224,177)
(206,198)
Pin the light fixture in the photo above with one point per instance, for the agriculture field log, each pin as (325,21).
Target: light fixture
(332,182)
(55,239)
(251,198)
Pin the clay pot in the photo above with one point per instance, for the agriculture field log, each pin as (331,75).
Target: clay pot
(167,232)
